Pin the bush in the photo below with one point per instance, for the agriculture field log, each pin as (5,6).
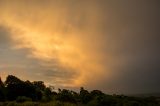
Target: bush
(29,104)
(21,99)
(10,104)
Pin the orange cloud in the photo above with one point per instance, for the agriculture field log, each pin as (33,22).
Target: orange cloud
(52,34)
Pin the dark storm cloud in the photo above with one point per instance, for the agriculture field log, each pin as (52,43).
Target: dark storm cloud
(134,39)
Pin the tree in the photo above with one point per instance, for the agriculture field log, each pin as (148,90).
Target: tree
(66,96)
(12,80)
(16,87)
(95,93)
(2,95)
(84,95)
(39,85)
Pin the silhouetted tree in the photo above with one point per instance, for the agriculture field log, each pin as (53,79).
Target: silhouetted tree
(39,85)
(2,88)
(12,80)
(17,90)
(84,95)
(16,87)
(95,93)
(66,96)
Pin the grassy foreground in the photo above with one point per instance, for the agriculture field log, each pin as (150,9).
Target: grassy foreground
(55,103)
(37,104)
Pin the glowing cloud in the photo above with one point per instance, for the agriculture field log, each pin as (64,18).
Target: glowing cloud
(51,36)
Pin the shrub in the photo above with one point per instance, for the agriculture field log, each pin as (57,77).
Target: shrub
(10,104)
(21,99)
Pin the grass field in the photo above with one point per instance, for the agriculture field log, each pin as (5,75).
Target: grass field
(37,104)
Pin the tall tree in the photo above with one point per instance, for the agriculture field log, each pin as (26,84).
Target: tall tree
(2,95)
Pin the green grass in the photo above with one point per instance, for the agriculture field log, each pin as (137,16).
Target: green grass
(56,103)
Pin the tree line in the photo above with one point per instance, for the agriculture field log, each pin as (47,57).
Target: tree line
(15,89)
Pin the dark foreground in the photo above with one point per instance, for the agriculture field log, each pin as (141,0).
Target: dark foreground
(15,92)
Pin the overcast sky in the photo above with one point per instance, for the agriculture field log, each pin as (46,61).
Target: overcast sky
(111,45)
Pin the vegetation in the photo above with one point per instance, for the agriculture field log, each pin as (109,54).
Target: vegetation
(15,92)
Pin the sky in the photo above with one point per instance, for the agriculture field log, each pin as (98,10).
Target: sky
(110,45)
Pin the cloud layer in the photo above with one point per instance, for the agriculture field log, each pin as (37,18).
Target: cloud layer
(107,45)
